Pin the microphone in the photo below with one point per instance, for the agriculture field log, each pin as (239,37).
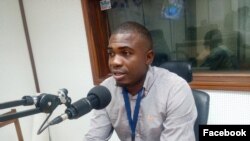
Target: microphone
(98,98)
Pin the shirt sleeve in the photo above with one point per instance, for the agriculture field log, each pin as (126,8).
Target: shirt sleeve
(181,115)
(101,127)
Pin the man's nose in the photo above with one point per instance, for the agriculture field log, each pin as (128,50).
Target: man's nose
(116,60)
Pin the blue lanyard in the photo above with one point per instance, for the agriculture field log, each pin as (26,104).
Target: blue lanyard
(132,122)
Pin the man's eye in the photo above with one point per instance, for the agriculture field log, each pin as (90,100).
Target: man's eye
(110,53)
(126,53)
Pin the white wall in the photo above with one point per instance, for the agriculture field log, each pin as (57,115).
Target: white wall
(16,79)
(61,55)
(229,107)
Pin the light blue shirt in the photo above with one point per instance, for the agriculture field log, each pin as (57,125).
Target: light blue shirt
(167,111)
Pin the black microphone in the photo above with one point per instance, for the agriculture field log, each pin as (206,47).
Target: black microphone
(98,98)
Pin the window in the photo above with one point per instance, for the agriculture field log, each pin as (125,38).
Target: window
(212,34)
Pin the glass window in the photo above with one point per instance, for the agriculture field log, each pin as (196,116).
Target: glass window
(212,34)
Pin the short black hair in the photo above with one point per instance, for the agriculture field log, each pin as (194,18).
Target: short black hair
(213,38)
(134,27)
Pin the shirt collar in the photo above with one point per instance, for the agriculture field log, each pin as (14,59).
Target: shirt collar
(149,80)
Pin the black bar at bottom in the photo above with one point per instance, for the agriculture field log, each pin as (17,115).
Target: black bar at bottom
(224,132)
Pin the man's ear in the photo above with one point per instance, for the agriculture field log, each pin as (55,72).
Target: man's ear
(150,57)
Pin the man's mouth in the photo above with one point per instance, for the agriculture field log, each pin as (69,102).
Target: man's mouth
(118,75)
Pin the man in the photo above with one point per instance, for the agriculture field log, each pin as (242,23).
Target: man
(148,103)
(218,56)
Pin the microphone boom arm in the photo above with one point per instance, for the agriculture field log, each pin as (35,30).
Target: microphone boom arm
(26,100)
(47,104)
(19,114)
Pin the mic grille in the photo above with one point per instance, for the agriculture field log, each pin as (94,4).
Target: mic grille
(99,97)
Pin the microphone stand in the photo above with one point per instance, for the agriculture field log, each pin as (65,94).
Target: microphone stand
(26,100)
(19,114)
(47,104)
(44,103)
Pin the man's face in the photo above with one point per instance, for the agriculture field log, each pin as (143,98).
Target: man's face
(129,57)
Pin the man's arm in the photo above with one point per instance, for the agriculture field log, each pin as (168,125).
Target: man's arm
(181,115)
(101,128)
